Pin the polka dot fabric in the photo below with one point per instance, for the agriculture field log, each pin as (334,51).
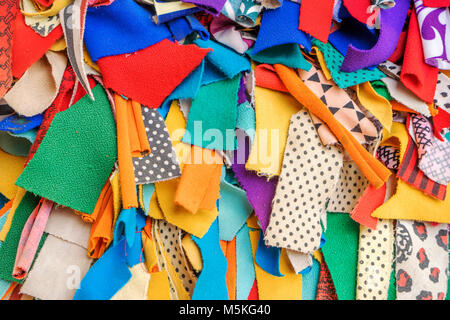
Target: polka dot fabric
(308,176)
(334,59)
(375,258)
(349,189)
(170,237)
(161,163)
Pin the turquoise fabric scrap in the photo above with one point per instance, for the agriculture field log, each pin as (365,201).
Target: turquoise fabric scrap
(213,116)
(234,209)
(245,267)
(286,54)
(309,282)
(147,193)
(211,283)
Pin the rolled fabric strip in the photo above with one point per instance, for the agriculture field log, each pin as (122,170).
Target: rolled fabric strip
(373,169)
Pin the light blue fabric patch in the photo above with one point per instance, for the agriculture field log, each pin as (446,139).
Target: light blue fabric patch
(211,284)
(147,193)
(309,282)
(234,209)
(246,119)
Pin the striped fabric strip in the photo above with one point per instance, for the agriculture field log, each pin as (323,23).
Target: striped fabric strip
(410,173)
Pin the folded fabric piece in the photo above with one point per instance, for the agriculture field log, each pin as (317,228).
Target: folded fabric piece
(334,59)
(8,11)
(124,152)
(349,188)
(375,255)
(26,38)
(433,23)
(244,12)
(76,167)
(212,6)
(266,77)
(200,181)
(375,172)
(212,126)
(42,25)
(375,103)
(73,27)
(211,283)
(10,168)
(121,27)
(39,85)
(9,247)
(287,54)
(341,253)
(222,62)
(268,257)
(272,287)
(419,205)
(341,106)
(19,124)
(392,21)
(30,238)
(132,75)
(245,269)
(258,189)
(280,26)
(169,10)
(422,258)
(57,281)
(184,26)
(315,18)
(400,93)
(273,111)
(226,32)
(295,218)
(161,163)
(353,32)
(417,76)
(234,209)
(325,287)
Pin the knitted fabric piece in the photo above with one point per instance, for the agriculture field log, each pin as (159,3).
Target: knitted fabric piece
(81,143)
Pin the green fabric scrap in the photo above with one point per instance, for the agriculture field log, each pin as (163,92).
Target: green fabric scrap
(76,156)
(340,252)
(381,89)
(286,54)
(333,60)
(213,114)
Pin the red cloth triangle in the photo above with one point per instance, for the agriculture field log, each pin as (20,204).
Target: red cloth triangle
(148,76)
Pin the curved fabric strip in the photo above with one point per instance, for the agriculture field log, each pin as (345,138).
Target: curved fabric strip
(374,170)
(392,21)
(419,77)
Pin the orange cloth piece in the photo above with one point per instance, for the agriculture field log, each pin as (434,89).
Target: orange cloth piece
(370,200)
(144,147)
(126,169)
(200,180)
(6,207)
(230,255)
(102,229)
(374,170)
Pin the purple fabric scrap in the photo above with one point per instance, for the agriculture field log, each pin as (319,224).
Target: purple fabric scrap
(391,25)
(212,6)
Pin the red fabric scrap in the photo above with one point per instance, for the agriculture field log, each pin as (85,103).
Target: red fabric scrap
(316,17)
(371,199)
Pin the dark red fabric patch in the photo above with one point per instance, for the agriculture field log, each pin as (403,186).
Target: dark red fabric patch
(150,75)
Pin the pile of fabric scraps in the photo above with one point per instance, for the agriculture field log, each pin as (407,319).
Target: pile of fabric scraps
(224,149)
